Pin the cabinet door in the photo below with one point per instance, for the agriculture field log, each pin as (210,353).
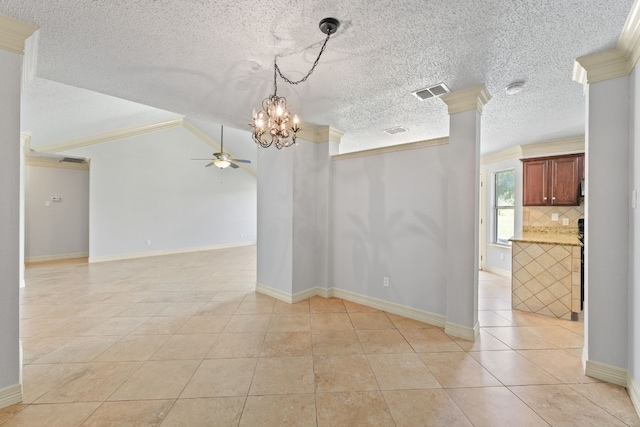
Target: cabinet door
(564,181)
(535,183)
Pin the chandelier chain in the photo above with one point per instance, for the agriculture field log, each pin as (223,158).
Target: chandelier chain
(313,67)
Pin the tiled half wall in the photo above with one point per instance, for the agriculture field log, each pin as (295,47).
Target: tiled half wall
(546,279)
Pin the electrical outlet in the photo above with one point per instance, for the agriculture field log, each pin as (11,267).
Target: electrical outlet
(501,257)
(148,242)
(554,217)
(565,221)
(385,282)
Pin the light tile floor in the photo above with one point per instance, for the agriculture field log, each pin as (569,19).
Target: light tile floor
(183,340)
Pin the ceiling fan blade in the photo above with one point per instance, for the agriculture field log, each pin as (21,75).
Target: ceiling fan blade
(233,165)
(202,159)
(241,161)
(206,166)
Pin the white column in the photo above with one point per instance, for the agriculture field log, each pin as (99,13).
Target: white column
(605,76)
(294,215)
(12,37)
(607,222)
(324,208)
(465,110)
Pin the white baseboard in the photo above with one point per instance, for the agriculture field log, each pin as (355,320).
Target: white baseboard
(10,395)
(400,310)
(496,270)
(301,296)
(604,372)
(169,252)
(274,293)
(464,332)
(634,392)
(44,258)
(391,307)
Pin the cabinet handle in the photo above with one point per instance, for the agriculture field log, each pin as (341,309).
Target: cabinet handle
(544,198)
(553,198)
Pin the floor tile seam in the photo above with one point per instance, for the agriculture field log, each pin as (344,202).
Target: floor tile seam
(255,368)
(596,403)
(458,406)
(525,403)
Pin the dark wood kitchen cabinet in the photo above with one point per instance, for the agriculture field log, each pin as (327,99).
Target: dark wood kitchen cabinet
(552,181)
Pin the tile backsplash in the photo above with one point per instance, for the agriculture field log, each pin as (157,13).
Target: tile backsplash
(540,216)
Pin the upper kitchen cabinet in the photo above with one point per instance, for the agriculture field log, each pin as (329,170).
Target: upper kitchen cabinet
(552,181)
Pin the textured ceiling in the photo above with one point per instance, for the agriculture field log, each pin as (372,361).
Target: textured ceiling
(214,60)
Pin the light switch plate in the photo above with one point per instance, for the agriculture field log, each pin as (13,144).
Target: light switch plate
(554,217)
(565,221)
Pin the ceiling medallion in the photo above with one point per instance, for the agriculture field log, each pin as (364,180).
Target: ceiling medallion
(274,117)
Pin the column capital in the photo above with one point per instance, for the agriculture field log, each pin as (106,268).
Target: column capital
(467,99)
(616,62)
(320,133)
(14,33)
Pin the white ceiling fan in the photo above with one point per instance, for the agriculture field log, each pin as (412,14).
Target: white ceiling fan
(222,159)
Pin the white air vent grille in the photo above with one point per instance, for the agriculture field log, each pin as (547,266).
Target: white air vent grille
(432,91)
(395,130)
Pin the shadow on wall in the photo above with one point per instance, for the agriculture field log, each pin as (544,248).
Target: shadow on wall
(392,238)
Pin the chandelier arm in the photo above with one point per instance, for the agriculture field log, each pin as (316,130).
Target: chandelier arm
(291,82)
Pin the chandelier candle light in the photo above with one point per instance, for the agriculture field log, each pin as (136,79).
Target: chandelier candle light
(274,117)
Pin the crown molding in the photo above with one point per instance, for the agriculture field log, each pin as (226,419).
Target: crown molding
(500,156)
(213,143)
(30,61)
(392,148)
(612,63)
(14,33)
(319,133)
(109,136)
(45,162)
(567,145)
(557,146)
(467,99)
(600,66)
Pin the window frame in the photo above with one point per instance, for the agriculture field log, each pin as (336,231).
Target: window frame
(497,208)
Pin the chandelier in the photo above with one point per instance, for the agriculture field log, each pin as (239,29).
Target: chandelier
(271,124)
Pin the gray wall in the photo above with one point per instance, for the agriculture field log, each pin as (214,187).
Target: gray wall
(607,236)
(62,227)
(390,220)
(11,72)
(634,232)
(147,188)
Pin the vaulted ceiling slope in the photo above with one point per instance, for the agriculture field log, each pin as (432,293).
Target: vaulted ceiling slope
(214,60)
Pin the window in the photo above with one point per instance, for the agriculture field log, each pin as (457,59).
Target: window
(504,205)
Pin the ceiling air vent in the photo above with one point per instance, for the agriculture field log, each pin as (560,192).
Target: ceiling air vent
(395,130)
(432,91)
(72,160)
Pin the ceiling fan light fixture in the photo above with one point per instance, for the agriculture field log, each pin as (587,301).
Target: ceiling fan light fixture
(222,163)
(271,124)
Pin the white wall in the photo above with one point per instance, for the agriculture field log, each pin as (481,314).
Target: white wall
(62,227)
(390,220)
(147,188)
(11,72)
(499,257)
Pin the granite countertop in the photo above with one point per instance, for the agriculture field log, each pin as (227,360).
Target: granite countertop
(547,237)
